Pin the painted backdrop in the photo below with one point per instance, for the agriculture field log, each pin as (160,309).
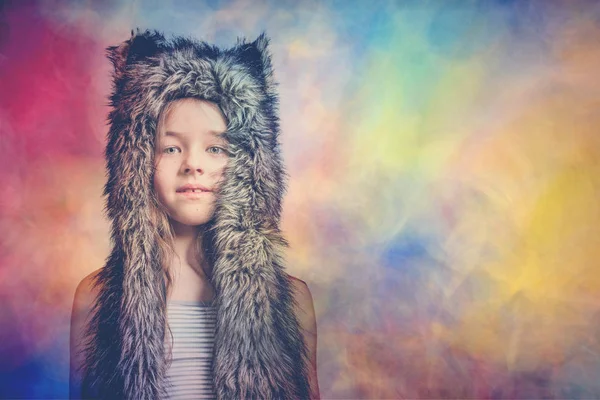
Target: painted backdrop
(444,184)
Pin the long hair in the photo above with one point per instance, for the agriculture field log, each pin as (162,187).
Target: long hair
(203,244)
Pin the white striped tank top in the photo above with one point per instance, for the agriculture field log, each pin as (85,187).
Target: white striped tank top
(193,327)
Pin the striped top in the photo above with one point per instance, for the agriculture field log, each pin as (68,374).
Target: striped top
(193,327)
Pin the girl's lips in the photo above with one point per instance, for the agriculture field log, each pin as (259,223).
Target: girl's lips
(194,195)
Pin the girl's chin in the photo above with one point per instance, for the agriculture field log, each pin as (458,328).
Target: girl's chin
(191,221)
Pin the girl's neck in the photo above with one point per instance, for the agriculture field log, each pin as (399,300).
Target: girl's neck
(189,254)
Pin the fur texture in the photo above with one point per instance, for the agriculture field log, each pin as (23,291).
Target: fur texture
(259,351)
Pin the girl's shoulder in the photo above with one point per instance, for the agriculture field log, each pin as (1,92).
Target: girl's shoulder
(295,281)
(304,302)
(83,301)
(300,288)
(86,293)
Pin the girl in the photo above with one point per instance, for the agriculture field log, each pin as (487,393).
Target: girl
(193,301)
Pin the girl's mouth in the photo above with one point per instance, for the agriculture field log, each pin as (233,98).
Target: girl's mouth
(194,194)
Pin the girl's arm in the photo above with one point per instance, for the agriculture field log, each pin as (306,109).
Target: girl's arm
(82,305)
(308,325)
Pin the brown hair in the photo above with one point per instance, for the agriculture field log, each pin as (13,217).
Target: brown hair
(204,240)
(160,220)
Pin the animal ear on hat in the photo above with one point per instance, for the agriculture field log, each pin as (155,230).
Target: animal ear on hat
(257,57)
(139,46)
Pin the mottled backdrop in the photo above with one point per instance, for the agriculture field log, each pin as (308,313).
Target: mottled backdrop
(444,189)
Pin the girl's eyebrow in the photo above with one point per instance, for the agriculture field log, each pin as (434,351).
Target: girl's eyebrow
(180,135)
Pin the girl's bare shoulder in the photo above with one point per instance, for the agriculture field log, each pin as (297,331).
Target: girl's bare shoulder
(86,293)
(299,286)
(83,301)
(304,302)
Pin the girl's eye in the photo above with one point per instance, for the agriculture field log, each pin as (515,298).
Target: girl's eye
(168,150)
(215,150)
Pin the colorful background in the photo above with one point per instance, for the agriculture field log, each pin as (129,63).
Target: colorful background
(443,205)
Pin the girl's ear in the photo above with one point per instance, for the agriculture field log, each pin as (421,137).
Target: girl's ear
(140,45)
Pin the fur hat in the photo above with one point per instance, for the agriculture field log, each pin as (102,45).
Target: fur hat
(259,351)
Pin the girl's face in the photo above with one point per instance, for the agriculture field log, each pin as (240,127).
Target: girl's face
(189,151)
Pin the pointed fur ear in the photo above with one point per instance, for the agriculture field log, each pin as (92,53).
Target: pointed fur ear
(256,55)
(138,46)
(262,45)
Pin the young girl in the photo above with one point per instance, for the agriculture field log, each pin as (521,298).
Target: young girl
(193,301)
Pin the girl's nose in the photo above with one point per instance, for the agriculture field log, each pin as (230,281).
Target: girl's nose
(192,164)
(188,170)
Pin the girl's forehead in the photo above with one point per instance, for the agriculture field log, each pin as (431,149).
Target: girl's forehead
(192,117)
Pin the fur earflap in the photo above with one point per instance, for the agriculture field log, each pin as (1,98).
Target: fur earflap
(259,352)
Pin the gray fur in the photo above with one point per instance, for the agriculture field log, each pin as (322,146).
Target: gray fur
(259,351)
